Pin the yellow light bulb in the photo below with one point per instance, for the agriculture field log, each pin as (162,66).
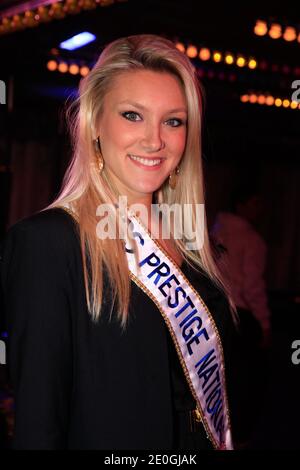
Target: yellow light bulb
(240,62)
(217,57)
(252,64)
(229,59)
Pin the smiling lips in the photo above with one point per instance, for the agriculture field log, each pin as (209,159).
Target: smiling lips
(146,162)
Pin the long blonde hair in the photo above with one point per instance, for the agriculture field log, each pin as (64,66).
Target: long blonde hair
(83,188)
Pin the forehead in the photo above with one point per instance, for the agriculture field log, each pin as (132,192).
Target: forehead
(149,88)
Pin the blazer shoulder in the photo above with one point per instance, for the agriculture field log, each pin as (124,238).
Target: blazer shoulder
(47,222)
(50,236)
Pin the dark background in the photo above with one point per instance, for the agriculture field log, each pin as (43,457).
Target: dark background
(242,143)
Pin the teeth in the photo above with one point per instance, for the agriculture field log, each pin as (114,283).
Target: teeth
(146,161)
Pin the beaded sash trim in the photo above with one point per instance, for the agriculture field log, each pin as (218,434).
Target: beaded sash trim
(191,326)
(192,329)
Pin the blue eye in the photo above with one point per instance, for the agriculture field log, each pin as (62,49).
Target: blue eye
(134,117)
(130,115)
(178,122)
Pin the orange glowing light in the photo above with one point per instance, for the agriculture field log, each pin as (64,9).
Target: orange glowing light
(192,52)
(204,54)
(84,70)
(253,99)
(275,31)
(278,102)
(289,34)
(261,99)
(74,69)
(260,28)
(269,100)
(63,67)
(180,46)
(286,103)
(244,98)
(52,65)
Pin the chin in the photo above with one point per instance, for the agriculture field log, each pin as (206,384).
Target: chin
(147,189)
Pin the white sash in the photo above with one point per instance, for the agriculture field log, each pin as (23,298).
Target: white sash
(192,329)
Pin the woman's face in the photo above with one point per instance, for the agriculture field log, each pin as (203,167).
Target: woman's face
(142,131)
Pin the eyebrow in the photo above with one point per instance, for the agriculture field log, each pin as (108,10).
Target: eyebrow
(140,106)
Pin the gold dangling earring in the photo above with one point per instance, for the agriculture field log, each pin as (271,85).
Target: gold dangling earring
(100,162)
(173,178)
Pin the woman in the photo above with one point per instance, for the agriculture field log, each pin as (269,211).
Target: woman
(116,341)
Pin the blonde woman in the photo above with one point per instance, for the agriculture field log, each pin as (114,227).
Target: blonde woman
(120,328)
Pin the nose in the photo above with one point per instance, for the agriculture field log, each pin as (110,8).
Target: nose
(152,140)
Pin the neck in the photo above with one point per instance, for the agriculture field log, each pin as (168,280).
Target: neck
(142,206)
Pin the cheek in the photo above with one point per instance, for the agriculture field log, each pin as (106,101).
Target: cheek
(115,134)
(116,138)
(177,143)
(123,135)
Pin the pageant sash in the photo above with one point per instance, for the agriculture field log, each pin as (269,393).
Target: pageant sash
(191,326)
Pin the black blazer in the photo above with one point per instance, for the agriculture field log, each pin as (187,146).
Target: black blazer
(80,384)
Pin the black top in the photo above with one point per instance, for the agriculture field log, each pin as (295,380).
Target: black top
(80,384)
